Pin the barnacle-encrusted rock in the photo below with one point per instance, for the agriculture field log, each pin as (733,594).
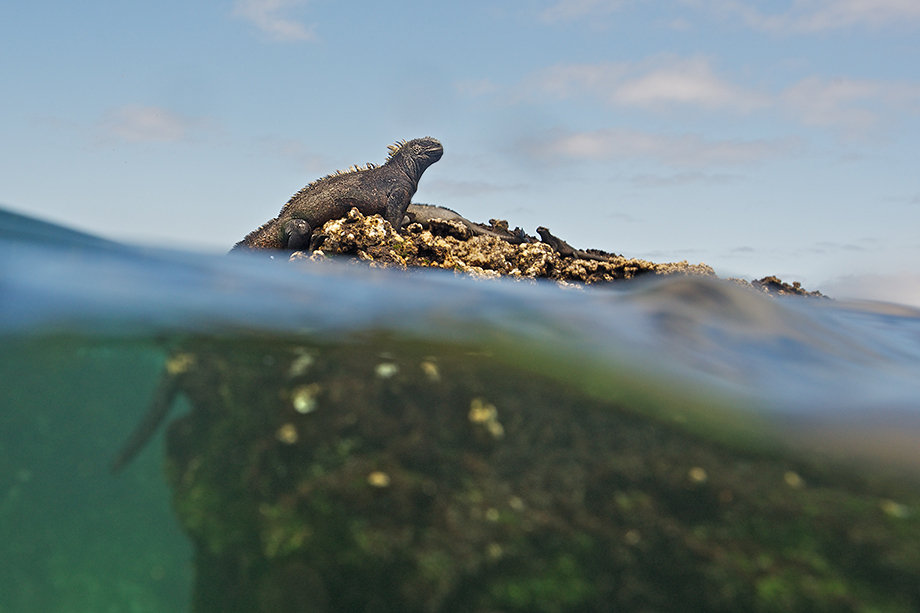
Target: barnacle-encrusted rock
(451,245)
(494,251)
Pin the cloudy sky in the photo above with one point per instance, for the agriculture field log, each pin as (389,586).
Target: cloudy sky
(777,137)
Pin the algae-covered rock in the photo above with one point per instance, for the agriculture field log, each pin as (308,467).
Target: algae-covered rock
(376,476)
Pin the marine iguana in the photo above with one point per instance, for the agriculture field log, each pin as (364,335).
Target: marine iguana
(425,214)
(566,250)
(386,189)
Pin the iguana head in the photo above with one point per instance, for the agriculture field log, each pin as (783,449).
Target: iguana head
(416,155)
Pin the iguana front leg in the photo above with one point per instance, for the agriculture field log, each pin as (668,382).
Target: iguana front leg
(397,203)
(296,234)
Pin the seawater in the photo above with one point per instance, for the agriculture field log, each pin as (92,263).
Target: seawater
(86,325)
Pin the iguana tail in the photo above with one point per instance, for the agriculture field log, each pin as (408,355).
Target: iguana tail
(163,397)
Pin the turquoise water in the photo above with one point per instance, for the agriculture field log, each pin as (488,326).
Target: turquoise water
(75,538)
(85,327)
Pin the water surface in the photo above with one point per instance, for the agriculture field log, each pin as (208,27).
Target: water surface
(86,325)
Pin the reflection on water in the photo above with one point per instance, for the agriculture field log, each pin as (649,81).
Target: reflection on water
(824,390)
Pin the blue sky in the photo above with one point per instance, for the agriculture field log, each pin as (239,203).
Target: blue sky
(758,137)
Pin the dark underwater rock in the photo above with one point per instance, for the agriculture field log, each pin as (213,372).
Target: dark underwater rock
(377,476)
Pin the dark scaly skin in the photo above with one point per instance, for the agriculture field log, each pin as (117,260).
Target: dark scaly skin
(385,190)
(424,214)
(566,250)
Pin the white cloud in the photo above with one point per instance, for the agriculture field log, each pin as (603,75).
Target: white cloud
(684,151)
(575,80)
(684,178)
(799,16)
(658,82)
(819,15)
(467,189)
(854,105)
(570,10)
(665,82)
(266,16)
(831,248)
(135,124)
(685,81)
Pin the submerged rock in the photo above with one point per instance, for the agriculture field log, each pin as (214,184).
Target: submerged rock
(378,476)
